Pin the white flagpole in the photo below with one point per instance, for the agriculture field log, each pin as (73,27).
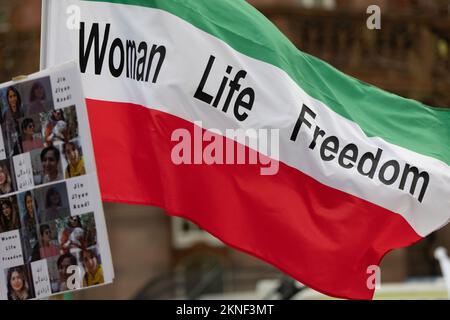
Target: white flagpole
(441,255)
(44,33)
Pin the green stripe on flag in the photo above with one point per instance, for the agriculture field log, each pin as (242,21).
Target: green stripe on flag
(404,122)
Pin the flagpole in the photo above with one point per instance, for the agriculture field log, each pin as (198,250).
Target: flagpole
(44,33)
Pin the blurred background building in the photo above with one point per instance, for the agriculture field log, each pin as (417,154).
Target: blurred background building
(156,256)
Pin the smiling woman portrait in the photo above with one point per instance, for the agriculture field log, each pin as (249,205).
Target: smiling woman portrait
(18,288)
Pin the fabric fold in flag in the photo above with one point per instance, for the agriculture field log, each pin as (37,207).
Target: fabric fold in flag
(359,171)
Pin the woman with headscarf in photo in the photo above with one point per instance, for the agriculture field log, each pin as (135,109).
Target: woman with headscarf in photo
(11,121)
(18,288)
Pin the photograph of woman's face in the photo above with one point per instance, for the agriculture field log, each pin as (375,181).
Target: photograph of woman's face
(38,92)
(65,263)
(57,115)
(74,222)
(29,129)
(29,205)
(55,199)
(3,176)
(16,281)
(6,210)
(50,163)
(72,154)
(12,100)
(46,235)
(90,261)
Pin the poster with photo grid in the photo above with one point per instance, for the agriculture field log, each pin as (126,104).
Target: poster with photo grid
(53,235)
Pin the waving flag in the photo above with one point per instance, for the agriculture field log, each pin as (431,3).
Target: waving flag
(359,171)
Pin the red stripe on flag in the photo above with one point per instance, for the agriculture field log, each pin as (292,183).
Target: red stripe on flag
(323,237)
